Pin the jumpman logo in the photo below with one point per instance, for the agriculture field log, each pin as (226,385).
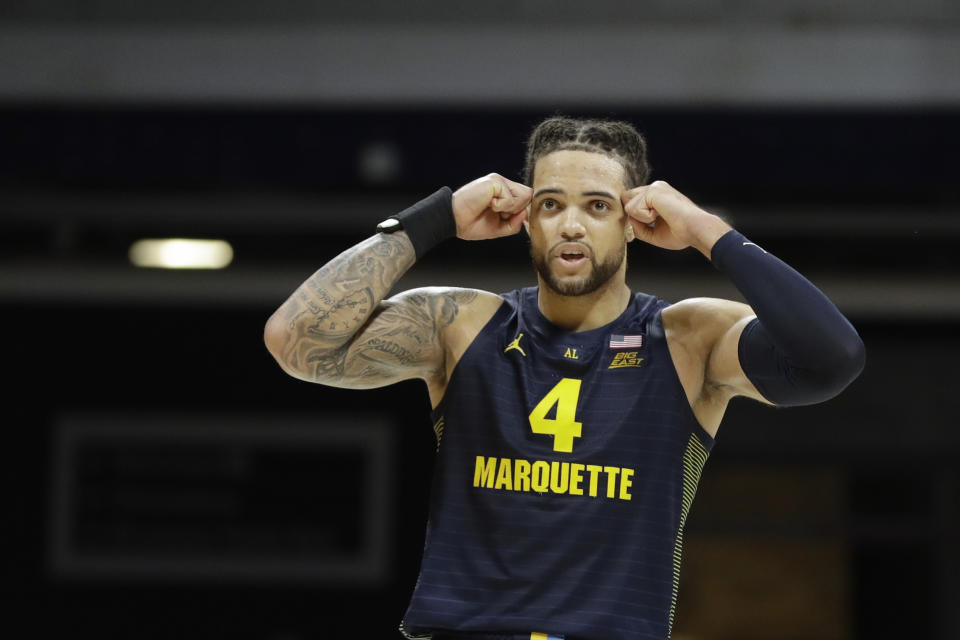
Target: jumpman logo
(516,345)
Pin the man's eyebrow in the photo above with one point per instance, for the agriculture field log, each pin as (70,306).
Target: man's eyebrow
(603,194)
(598,193)
(548,190)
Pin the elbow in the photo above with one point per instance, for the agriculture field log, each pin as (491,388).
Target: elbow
(846,367)
(274,337)
(820,377)
(850,357)
(293,362)
(855,358)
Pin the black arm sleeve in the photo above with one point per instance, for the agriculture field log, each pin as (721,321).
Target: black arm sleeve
(800,349)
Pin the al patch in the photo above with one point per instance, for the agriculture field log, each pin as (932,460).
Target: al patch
(572,351)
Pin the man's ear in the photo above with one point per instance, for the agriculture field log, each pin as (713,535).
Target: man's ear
(628,232)
(526,221)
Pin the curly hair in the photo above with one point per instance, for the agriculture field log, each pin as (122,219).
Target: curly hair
(619,140)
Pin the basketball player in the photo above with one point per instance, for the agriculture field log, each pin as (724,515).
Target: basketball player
(573,418)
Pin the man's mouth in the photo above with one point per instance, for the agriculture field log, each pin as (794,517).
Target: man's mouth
(572,257)
(571,254)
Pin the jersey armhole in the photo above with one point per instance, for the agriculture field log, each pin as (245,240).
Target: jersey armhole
(656,322)
(502,311)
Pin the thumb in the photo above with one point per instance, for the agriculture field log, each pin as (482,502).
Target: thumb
(641,231)
(517,222)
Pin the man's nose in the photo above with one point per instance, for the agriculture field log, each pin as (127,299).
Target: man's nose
(571,225)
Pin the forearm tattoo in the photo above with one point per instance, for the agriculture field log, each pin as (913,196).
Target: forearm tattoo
(337,329)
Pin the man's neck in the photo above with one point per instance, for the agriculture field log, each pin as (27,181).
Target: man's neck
(582,313)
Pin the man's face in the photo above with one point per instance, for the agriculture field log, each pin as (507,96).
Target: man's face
(578,230)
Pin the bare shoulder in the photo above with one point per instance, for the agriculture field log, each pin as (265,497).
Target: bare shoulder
(452,314)
(699,322)
(455,314)
(449,306)
(451,311)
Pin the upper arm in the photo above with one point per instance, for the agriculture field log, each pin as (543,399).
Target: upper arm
(707,331)
(724,370)
(404,338)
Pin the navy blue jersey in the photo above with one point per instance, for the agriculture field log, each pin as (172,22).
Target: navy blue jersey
(567,463)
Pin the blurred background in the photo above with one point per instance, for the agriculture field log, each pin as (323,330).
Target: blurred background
(165,479)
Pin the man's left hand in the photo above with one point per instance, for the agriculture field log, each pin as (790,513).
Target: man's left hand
(664,217)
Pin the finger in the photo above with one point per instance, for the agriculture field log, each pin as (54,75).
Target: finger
(506,200)
(638,209)
(500,196)
(630,194)
(522,194)
(643,216)
(519,190)
(511,224)
(664,194)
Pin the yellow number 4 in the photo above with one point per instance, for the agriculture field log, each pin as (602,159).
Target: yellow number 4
(564,428)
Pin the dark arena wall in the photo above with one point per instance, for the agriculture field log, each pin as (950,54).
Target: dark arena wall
(166,479)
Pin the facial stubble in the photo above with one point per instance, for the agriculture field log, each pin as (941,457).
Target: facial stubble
(600,273)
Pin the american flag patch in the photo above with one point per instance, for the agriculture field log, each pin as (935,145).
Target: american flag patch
(626,342)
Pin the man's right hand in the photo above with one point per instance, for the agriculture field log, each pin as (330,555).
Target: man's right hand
(490,207)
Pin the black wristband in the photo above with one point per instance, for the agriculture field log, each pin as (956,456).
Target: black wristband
(430,221)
